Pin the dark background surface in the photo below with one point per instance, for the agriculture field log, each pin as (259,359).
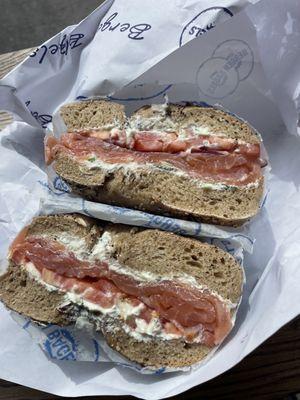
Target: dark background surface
(28,23)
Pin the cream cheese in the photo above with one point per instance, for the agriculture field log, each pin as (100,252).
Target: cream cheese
(160,108)
(94,162)
(103,251)
(136,168)
(103,248)
(143,331)
(34,273)
(122,308)
(145,276)
(158,121)
(153,327)
(126,309)
(196,130)
(155,122)
(77,299)
(74,243)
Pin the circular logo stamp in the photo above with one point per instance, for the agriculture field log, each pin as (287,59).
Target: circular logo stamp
(238,55)
(214,80)
(203,22)
(231,62)
(60,344)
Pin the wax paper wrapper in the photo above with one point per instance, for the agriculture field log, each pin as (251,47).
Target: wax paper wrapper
(80,342)
(224,53)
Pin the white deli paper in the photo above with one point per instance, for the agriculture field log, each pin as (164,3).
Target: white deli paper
(81,343)
(136,57)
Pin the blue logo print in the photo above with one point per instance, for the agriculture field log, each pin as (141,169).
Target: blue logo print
(62,48)
(43,119)
(198,25)
(231,62)
(58,184)
(135,93)
(61,345)
(134,32)
(61,185)
(131,93)
(165,223)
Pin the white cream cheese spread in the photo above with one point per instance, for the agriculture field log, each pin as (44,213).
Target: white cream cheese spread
(136,168)
(122,309)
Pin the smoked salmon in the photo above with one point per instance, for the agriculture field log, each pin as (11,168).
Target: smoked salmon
(184,310)
(206,157)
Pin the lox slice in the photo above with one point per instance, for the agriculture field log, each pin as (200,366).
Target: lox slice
(180,307)
(208,158)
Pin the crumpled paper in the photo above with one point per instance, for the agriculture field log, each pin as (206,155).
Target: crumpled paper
(239,64)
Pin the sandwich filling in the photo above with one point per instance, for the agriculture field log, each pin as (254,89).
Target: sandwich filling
(200,155)
(164,308)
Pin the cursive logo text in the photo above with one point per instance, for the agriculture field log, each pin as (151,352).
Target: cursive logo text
(134,32)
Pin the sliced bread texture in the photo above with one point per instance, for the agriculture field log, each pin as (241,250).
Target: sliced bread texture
(92,114)
(159,187)
(150,256)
